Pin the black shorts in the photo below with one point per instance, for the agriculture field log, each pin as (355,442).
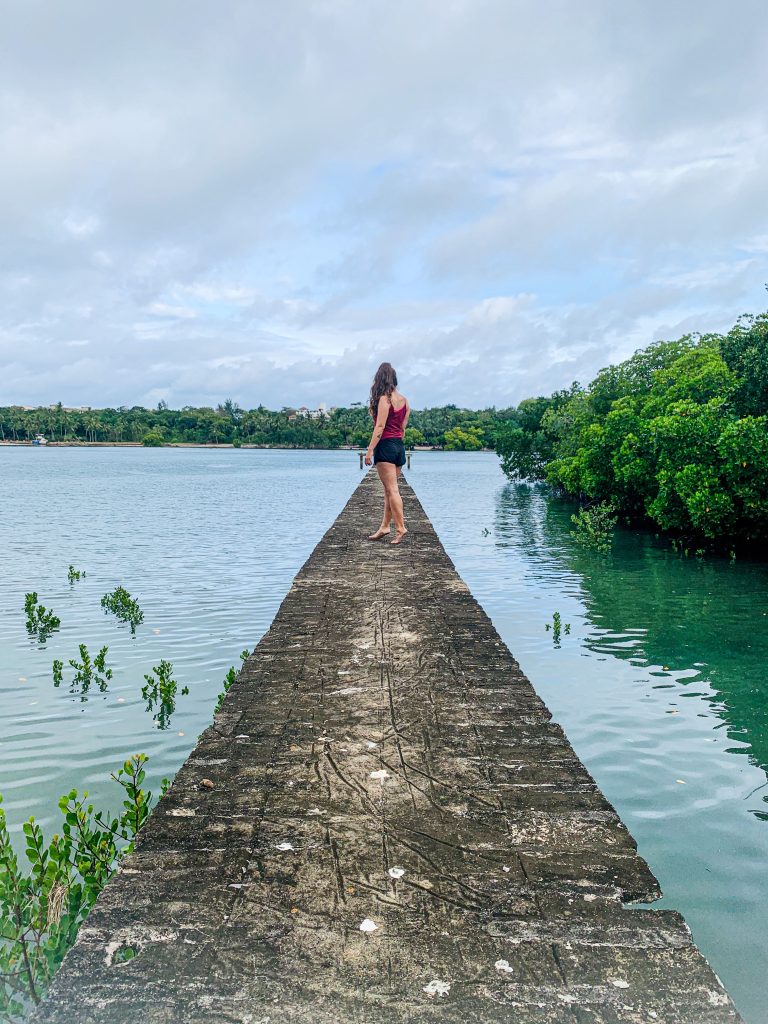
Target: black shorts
(390,449)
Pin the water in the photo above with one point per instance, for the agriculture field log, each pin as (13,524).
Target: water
(661,678)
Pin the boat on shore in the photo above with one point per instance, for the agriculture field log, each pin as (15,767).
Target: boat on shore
(40,440)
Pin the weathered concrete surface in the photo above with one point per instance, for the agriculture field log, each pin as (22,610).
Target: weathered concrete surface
(381,728)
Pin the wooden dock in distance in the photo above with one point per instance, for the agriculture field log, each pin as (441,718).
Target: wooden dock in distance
(397,832)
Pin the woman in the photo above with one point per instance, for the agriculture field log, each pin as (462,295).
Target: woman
(390,410)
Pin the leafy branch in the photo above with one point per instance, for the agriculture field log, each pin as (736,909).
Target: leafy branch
(41,621)
(123,607)
(42,908)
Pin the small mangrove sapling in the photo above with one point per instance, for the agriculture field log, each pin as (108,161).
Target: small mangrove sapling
(87,671)
(556,625)
(41,621)
(43,906)
(159,692)
(229,679)
(123,607)
(594,527)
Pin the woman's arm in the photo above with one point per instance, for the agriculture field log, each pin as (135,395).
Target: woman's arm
(378,430)
(407,414)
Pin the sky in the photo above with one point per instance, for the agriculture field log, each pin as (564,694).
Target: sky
(263,201)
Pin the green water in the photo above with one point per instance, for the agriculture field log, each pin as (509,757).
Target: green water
(661,686)
(661,678)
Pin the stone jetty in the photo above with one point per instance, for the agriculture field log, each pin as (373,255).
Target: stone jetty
(383,825)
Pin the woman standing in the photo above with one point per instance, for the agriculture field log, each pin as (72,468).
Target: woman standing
(390,410)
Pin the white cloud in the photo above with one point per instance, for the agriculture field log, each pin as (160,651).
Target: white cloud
(266,200)
(176,312)
(81,227)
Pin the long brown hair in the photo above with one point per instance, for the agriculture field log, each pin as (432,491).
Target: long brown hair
(384,383)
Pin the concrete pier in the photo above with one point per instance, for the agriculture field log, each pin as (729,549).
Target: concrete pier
(397,832)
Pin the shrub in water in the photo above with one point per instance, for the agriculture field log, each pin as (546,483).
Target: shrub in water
(42,907)
(41,621)
(87,671)
(595,526)
(123,607)
(160,693)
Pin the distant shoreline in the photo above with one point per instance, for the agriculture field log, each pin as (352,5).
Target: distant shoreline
(201,444)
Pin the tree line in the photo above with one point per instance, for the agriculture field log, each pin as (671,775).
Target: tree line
(676,436)
(445,427)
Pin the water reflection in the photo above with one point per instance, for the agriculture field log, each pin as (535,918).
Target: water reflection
(159,692)
(655,686)
(659,684)
(88,672)
(695,625)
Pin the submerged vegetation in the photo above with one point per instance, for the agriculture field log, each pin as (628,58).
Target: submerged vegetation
(593,527)
(676,436)
(159,691)
(41,621)
(123,607)
(88,671)
(44,902)
(556,626)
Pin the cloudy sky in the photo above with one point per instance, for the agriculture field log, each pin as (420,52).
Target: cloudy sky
(263,200)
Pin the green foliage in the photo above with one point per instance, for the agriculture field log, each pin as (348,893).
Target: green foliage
(556,625)
(676,435)
(521,453)
(124,607)
(594,526)
(41,622)
(154,439)
(229,424)
(88,672)
(745,351)
(525,441)
(229,679)
(74,574)
(413,436)
(635,375)
(159,692)
(458,439)
(43,905)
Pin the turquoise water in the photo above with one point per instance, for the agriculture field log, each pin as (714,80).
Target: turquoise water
(660,684)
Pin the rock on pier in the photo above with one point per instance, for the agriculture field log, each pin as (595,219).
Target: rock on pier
(397,832)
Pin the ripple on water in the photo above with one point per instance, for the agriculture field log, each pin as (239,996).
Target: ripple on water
(646,623)
(185,532)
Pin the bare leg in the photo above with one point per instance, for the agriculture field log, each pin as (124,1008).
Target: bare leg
(388,475)
(386,518)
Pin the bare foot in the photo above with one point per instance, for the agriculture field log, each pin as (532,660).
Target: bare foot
(378,535)
(398,536)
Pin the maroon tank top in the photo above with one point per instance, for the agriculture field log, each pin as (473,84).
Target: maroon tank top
(394,425)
